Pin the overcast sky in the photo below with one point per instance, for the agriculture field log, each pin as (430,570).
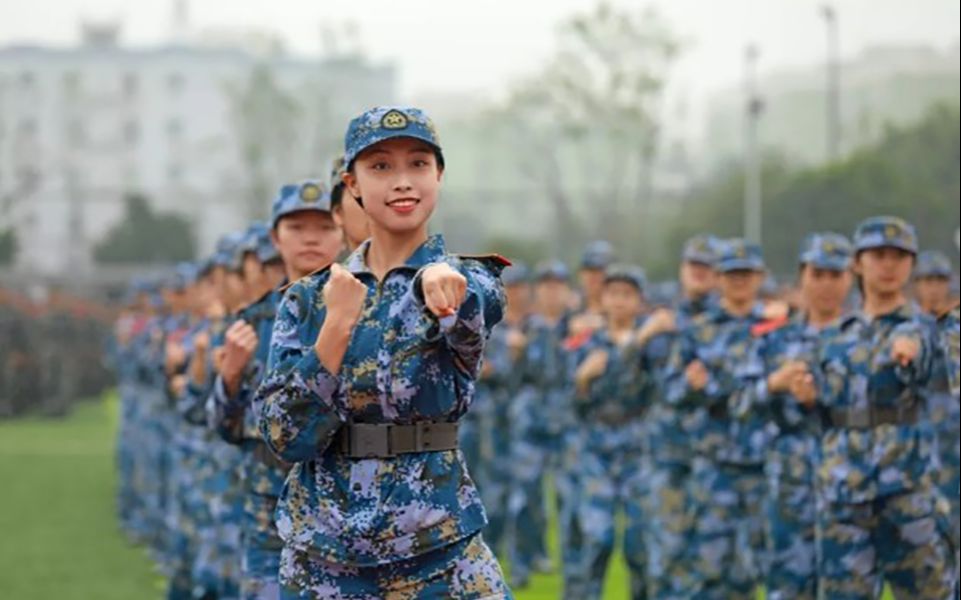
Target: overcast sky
(477,45)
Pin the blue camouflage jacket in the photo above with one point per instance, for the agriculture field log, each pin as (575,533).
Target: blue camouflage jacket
(795,340)
(400,366)
(667,441)
(856,371)
(725,344)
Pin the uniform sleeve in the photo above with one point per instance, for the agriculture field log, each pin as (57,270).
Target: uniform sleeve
(303,402)
(676,390)
(481,310)
(225,414)
(753,394)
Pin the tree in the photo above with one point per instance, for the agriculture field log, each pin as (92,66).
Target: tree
(588,122)
(266,120)
(144,236)
(913,172)
(8,246)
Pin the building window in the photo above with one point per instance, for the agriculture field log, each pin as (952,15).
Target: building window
(131,133)
(130,85)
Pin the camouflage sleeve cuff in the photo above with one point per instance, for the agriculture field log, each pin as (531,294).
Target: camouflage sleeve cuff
(316,378)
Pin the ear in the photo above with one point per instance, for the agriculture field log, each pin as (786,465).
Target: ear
(274,239)
(350,180)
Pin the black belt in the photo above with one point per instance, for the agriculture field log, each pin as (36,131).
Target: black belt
(868,418)
(386,440)
(263,454)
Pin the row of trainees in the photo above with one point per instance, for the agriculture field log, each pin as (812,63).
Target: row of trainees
(364,370)
(51,353)
(742,446)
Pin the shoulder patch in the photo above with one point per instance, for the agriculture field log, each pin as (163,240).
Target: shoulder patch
(768,326)
(577,341)
(309,275)
(495,262)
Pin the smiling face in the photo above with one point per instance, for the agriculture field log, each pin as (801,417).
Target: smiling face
(399,180)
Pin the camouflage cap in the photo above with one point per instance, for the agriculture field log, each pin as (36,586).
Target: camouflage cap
(631,274)
(738,254)
(388,122)
(225,255)
(826,250)
(701,249)
(598,254)
(551,270)
(932,263)
(311,194)
(886,232)
(516,274)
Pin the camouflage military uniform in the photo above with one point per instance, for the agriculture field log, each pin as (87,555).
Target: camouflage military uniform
(790,508)
(372,526)
(727,480)
(541,424)
(878,518)
(609,466)
(668,457)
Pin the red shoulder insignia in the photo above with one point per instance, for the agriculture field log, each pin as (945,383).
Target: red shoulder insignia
(766,327)
(577,340)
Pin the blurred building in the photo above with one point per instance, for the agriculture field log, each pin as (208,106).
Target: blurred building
(881,86)
(204,130)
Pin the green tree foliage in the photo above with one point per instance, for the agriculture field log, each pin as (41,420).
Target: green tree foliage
(587,122)
(8,246)
(912,172)
(145,236)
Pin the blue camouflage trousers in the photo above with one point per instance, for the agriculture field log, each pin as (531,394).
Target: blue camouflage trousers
(901,539)
(727,537)
(668,532)
(791,514)
(465,570)
(610,477)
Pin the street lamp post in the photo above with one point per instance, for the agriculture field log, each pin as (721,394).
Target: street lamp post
(752,163)
(833,93)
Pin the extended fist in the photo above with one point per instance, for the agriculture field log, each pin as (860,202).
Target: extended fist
(904,350)
(444,289)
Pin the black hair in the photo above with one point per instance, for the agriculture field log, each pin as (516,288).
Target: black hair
(337,195)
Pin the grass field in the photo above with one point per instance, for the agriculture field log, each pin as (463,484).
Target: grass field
(58,532)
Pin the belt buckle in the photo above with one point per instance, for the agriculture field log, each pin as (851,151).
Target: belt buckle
(420,429)
(370,441)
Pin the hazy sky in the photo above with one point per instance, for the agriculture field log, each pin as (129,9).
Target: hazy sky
(478,45)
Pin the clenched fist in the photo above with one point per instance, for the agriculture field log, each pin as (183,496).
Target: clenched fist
(240,345)
(781,379)
(344,295)
(696,375)
(904,350)
(444,289)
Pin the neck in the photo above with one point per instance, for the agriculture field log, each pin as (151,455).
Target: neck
(882,304)
(819,319)
(514,315)
(620,325)
(592,305)
(388,251)
(552,316)
(690,296)
(738,308)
